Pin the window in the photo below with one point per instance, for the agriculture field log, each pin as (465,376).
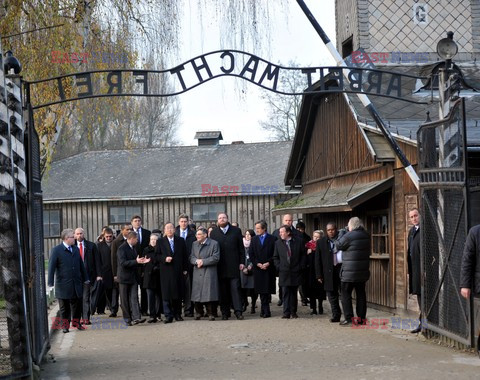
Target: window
(207,211)
(380,235)
(347,47)
(123,214)
(51,223)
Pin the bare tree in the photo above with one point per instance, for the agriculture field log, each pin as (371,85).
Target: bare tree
(283,109)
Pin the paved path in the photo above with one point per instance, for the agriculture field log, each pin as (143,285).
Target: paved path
(307,348)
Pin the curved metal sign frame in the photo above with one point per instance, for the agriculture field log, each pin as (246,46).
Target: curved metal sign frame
(234,63)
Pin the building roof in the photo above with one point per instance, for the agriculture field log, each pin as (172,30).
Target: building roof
(168,172)
(404,118)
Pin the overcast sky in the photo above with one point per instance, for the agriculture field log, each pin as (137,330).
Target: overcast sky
(237,109)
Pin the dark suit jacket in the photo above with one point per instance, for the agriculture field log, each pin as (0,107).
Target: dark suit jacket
(91,260)
(127,264)
(145,241)
(290,271)
(414,271)
(189,240)
(324,264)
(106,272)
(171,274)
(119,240)
(264,280)
(67,272)
(470,269)
(232,251)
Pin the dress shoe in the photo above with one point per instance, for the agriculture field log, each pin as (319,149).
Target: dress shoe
(279,303)
(346,323)
(313,312)
(262,315)
(334,320)
(168,320)
(87,322)
(417,330)
(65,331)
(267,315)
(138,321)
(190,315)
(211,318)
(80,327)
(239,316)
(128,323)
(224,318)
(152,320)
(285,316)
(294,316)
(320,311)
(178,318)
(197,317)
(113,315)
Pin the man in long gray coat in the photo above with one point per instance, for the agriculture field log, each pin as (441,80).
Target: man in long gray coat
(205,257)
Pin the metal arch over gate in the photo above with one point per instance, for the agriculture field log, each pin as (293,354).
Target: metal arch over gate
(442,169)
(235,63)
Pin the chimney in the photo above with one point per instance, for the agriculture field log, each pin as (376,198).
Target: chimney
(209,138)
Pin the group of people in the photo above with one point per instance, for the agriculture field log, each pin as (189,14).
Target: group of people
(203,268)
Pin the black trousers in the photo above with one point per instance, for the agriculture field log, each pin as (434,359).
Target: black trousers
(143,301)
(347,288)
(332,296)
(70,310)
(86,312)
(209,306)
(155,304)
(290,300)
(265,304)
(230,295)
(129,299)
(112,296)
(172,308)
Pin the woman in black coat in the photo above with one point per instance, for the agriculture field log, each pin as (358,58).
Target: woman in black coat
(151,280)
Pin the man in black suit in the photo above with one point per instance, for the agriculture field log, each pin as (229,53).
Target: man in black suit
(91,260)
(232,257)
(188,235)
(127,273)
(327,269)
(287,220)
(104,248)
(414,272)
(173,270)
(119,240)
(262,248)
(290,260)
(66,270)
(143,240)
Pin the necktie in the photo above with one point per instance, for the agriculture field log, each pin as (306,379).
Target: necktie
(70,248)
(289,251)
(262,238)
(184,234)
(171,244)
(80,246)
(139,236)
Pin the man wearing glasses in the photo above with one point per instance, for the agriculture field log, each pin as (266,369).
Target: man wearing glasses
(65,266)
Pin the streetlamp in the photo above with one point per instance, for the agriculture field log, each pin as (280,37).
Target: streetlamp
(446,49)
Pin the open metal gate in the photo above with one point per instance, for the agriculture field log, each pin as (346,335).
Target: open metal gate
(444,193)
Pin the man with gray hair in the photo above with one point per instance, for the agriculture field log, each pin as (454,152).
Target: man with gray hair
(355,271)
(65,266)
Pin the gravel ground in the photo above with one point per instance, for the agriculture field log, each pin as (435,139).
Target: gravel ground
(309,347)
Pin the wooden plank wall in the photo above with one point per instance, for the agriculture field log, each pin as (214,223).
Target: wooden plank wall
(337,144)
(92,216)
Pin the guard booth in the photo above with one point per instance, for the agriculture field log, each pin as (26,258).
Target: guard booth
(450,204)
